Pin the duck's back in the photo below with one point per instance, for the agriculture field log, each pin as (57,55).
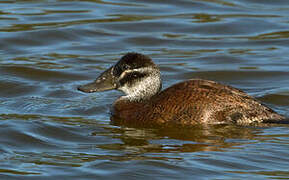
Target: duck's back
(203,101)
(197,102)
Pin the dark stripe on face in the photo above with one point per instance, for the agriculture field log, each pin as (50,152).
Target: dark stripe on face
(132,61)
(131,77)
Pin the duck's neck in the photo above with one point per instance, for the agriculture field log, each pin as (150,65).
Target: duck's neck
(142,90)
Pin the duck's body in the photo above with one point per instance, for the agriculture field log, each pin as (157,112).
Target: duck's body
(187,103)
(193,102)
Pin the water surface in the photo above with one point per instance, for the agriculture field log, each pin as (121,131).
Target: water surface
(49,130)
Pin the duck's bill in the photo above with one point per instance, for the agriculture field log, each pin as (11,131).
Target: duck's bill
(106,81)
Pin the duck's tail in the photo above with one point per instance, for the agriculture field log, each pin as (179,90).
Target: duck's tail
(279,121)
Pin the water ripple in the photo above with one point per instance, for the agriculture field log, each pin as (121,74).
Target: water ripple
(49,130)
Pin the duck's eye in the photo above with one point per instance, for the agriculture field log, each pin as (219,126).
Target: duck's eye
(136,75)
(125,66)
(131,77)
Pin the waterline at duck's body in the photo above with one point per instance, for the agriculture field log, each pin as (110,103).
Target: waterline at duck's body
(187,103)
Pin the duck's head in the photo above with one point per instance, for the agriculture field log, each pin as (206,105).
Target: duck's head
(134,74)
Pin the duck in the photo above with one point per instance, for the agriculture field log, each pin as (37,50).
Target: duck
(187,103)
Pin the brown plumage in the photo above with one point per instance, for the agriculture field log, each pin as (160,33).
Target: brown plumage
(187,103)
(193,102)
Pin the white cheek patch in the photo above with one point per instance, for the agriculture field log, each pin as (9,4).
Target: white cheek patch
(144,87)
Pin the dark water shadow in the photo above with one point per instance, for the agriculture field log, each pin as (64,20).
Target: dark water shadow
(179,139)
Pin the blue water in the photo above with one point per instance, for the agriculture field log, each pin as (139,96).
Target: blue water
(49,130)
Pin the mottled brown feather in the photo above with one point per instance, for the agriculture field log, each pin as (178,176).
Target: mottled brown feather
(193,102)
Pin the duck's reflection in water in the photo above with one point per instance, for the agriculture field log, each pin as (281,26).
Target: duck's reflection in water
(179,139)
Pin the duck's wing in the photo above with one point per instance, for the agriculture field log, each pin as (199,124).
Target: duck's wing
(203,101)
